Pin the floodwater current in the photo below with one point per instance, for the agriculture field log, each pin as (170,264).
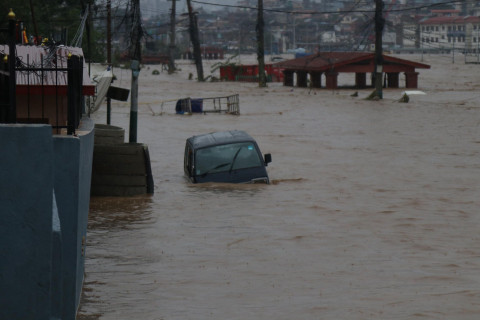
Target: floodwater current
(373,213)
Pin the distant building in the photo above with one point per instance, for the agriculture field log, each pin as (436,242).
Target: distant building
(450,32)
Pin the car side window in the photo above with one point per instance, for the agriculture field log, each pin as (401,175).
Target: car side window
(188,160)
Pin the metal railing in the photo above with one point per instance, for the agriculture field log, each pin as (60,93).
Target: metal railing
(227,104)
(37,101)
(44,93)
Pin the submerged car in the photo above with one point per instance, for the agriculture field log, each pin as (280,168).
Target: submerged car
(227,156)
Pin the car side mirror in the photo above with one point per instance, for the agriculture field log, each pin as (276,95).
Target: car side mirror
(268,158)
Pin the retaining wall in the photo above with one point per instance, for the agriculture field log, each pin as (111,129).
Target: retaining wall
(44,201)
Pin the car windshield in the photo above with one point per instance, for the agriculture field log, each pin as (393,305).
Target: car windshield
(226,157)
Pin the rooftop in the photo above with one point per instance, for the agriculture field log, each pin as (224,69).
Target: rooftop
(218,138)
(324,61)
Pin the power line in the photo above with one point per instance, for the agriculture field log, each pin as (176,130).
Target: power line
(333,12)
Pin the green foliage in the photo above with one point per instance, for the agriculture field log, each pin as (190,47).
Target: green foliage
(51,18)
(373,96)
(405,98)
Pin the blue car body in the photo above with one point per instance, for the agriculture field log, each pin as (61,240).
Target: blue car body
(226,156)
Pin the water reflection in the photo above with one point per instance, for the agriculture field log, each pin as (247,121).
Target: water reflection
(110,213)
(225,189)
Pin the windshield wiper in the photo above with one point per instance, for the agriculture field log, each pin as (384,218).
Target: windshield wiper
(214,168)
(234,158)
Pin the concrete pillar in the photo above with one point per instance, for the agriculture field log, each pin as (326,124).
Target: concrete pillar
(288,78)
(331,79)
(316,78)
(302,79)
(411,80)
(392,79)
(360,80)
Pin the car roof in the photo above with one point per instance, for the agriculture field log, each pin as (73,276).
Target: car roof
(218,138)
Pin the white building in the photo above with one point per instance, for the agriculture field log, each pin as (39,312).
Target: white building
(450,32)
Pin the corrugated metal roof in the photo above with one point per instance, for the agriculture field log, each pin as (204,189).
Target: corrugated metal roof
(43,56)
(324,61)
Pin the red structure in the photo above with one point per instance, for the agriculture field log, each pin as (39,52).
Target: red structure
(155,59)
(331,64)
(249,73)
(42,93)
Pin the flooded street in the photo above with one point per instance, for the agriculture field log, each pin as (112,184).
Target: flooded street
(373,211)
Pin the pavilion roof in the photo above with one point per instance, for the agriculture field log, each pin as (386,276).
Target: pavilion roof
(324,61)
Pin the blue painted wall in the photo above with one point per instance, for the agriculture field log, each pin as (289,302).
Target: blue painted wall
(73,170)
(44,201)
(26,185)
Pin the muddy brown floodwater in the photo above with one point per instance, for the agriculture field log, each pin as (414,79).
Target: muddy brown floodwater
(373,213)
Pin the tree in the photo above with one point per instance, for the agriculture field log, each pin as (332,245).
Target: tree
(51,19)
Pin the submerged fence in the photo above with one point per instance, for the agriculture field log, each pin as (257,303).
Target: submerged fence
(227,104)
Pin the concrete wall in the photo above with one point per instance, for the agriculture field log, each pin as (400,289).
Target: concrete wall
(44,201)
(73,170)
(26,193)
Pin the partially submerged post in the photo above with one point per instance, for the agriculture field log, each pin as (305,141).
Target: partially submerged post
(171,47)
(262,81)
(379,23)
(109,53)
(135,66)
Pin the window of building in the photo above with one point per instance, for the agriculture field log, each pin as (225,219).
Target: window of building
(449,28)
(436,28)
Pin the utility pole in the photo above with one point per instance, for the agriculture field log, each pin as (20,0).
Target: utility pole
(171,47)
(478,44)
(135,66)
(379,24)
(262,81)
(197,54)
(109,53)
(453,50)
